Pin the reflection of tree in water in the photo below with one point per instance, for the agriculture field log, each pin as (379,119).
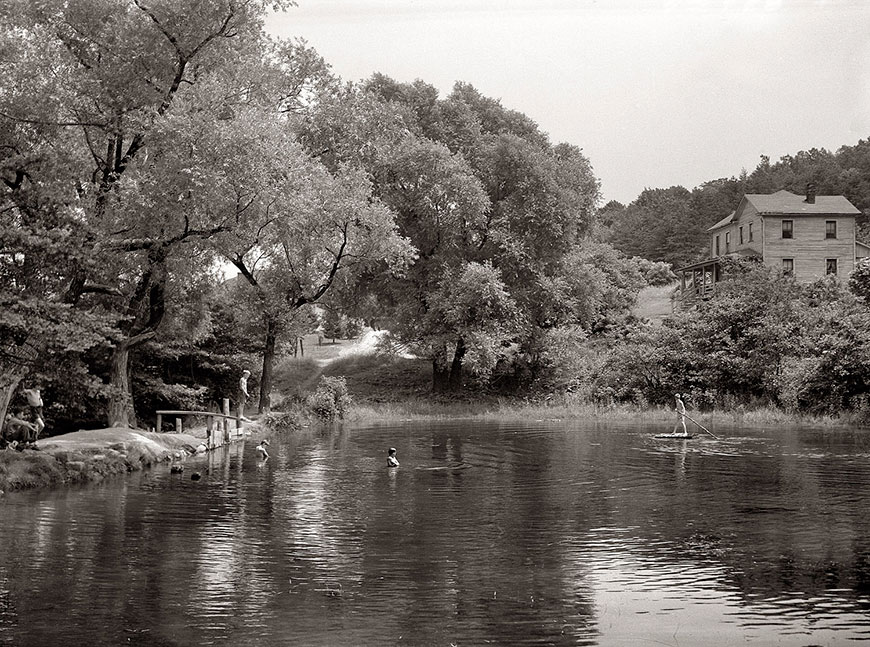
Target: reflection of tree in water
(781,521)
(485,563)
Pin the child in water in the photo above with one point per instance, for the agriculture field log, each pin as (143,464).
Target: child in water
(392,461)
(262,448)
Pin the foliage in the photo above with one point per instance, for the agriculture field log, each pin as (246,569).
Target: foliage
(655,273)
(473,185)
(337,325)
(761,338)
(331,399)
(117,127)
(859,280)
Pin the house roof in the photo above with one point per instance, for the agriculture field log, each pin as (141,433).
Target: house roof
(727,220)
(786,202)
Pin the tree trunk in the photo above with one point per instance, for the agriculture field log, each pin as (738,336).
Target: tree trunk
(268,362)
(455,380)
(440,372)
(7,391)
(120,400)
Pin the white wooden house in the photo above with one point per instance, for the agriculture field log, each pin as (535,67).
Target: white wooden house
(808,236)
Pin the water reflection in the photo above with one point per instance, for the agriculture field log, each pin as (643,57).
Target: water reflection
(548,533)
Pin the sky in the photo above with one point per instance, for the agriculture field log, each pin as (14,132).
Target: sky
(656,92)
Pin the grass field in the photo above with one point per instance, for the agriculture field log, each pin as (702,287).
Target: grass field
(654,303)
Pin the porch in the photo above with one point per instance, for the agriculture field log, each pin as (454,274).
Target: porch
(699,280)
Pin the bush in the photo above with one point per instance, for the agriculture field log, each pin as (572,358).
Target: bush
(331,399)
(859,281)
(654,272)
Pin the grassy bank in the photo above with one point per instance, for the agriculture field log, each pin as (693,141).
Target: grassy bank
(393,389)
(507,409)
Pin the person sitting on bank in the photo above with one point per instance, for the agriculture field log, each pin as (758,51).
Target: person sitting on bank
(681,415)
(262,448)
(392,461)
(18,431)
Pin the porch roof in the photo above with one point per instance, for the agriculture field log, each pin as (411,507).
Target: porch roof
(747,253)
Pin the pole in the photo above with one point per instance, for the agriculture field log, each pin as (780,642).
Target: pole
(701,426)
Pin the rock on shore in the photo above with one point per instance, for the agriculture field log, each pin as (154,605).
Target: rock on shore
(89,456)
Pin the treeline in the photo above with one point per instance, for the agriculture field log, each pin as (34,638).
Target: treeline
(145,147)
(762,339)
(670,224)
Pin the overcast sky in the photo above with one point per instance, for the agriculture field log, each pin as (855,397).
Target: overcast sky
(656,93)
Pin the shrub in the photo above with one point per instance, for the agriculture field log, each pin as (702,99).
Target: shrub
(654,272)
(331,399)
(859,281)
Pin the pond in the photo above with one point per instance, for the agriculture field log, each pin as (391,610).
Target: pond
(542,533)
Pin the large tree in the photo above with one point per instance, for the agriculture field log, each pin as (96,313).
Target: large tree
(303,232)
(101,115)
(471,182)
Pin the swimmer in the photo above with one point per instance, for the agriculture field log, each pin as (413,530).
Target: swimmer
(262,448)
(392,461)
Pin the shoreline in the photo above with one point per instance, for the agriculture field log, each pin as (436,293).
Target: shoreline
(505,409)
(91,455)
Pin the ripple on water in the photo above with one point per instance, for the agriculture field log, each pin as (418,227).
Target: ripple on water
(487,534)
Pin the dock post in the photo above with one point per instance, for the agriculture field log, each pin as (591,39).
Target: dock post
(226,420)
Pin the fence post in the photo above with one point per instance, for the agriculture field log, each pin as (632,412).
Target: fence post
(159,423)
(226,420)
(209,423)
(178,425)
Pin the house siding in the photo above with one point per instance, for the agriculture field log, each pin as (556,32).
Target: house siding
(809,248)
(741,219)
(756,243)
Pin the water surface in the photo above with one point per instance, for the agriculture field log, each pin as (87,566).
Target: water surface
(543,533)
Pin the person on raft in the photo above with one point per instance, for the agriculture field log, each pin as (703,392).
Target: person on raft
(681,415)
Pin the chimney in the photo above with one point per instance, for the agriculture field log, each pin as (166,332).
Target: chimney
(811,193)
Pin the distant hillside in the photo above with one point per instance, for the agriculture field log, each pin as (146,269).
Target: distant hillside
(670,224)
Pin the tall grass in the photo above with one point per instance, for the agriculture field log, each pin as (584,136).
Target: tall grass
(565,409)
(390,388)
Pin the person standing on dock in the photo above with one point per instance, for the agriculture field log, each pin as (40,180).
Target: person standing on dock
(681,415)
(243,392)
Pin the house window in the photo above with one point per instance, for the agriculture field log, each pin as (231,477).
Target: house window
(788,266)
(741,235)
(727,241)
(750,232)
(788,228)
(830,228)
(830,266)
(717,246)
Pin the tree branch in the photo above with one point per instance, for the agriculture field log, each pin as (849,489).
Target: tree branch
(46,122)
